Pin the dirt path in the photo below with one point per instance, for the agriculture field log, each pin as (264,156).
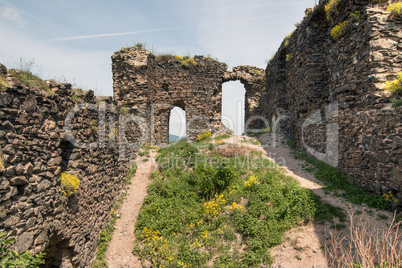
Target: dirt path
(303,246)
(119,253)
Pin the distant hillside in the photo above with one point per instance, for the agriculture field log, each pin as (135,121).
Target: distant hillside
(173,138)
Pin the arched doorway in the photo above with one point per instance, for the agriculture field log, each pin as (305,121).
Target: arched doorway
(177,124)
(233,101)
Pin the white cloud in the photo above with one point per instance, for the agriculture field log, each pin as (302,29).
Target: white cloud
(10,14)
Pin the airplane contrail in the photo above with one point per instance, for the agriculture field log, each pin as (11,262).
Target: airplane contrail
(81,37)
(27,14)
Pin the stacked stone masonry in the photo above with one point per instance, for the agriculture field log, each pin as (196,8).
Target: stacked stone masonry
(312,70)
(313,82)
(151,86)
(34,152)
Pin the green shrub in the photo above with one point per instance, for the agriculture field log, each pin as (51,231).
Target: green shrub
(331,8)
(11,258)
(395,86)
(395,9)
(339,30)
(140,45)
(188,62)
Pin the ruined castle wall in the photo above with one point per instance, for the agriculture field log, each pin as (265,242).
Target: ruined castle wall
(313,70)
(35,151)
(151,86)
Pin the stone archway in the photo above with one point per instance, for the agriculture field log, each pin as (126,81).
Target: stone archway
(150,86)
(177,123)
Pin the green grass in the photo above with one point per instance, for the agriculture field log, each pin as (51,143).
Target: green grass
(222,137)
(107,233)
(254,142)
(335,180)
(397,103)
(198,207)
(257,134)
(30,80)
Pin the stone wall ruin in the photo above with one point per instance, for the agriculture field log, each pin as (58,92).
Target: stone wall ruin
(149,87)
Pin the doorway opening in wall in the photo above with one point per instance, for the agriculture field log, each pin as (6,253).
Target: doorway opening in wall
(233,100)
(177,124)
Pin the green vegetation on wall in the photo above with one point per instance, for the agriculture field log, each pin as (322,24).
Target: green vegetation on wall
(395,9)
(331,8)
(189,62)
(395,86)
(339,30)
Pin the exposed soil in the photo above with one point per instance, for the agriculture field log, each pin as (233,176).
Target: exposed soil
(120,249)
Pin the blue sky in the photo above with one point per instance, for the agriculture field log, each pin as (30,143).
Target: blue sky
(74,40)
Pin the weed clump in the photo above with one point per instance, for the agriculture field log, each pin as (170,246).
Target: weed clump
(397,103)
(165,58)
(29,79)
(395,86)
(289,57)
(395,9)
(287,38)
(69,184)
(204,135)
(331,8)
(124,111)
(339,30)
(189,62)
